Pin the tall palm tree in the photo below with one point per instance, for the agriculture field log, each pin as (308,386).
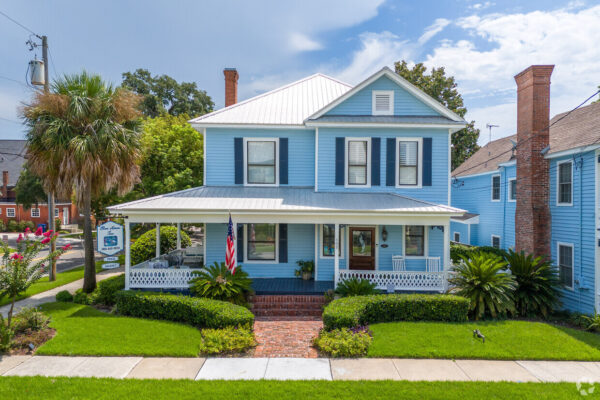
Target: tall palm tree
(83,138)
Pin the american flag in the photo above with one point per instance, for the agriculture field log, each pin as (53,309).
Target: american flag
(230,259)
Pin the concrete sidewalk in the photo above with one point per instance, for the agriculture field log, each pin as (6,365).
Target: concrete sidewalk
(301,369)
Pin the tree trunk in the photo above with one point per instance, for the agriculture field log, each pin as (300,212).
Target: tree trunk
(10,312)
(89,274)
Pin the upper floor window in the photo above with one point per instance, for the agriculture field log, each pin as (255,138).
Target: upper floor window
(358,161)
(495,241)
(409,162)
(383,102)
(10,212)
(496,188)
(414,240)
(512,189)
(565,183)
(457,237)
(261,161)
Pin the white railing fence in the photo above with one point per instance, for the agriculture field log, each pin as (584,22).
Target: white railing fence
(167,278)
(401,280)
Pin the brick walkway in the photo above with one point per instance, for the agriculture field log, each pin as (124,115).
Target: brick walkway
(286,338)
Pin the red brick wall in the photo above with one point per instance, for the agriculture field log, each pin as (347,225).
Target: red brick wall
(231,86)
(22,214)
(532,216)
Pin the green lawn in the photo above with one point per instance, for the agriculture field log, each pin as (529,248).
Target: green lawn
(506,340)
(85,388)
(83,330)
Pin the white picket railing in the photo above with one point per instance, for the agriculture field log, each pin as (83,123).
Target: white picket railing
(165,278)
(400,280)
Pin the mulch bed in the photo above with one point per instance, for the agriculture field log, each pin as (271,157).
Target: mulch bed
(21,341)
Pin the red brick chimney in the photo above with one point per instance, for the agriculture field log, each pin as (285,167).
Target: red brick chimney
(4,184)
(231,82)
(532,216)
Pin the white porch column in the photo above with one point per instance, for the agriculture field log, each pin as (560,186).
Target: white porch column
(447,246)
(157,240)
(336,255)
(179,236)
(127,252)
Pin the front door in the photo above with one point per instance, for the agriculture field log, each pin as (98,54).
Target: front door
(362,248)
(65,216)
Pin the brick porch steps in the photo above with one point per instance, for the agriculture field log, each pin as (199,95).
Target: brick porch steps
(287,306)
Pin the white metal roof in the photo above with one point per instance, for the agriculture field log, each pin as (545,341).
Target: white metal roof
(277,199)
(288,105)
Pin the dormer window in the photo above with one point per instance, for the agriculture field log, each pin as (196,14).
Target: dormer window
(383,102)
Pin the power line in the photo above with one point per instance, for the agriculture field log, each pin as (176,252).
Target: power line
(52,62)
(20,24)
(10,120)
(16,81)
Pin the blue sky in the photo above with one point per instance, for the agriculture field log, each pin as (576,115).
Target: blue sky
(482,43)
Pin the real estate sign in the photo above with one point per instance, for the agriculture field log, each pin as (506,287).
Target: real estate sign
(109,237)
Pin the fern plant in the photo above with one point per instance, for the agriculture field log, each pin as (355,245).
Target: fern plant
(537,284)
(355,287)
(481,279)
(218,283)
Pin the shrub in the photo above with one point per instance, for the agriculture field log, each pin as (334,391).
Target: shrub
(2,226)
(344,342)
(537,284)
(226,340)
(107,290)
(481,280)
(590,323)
(12,226)
(144,247)
(457,251)
(81,297)
(305,267)
(355,287)
(218,283)
(355,311)
(200,312)
(30,318)
(64,296)
(6,336)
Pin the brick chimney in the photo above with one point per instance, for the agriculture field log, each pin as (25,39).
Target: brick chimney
(532,216)
(231,83)
(4,184)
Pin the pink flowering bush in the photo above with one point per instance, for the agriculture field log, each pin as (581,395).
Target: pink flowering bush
(22,268)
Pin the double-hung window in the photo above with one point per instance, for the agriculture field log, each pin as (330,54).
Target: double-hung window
(495,187)
(565,264)
(328,241)
(261,161)
(10,212)
(56,212)
(414,241)
(565,183)
(512,189)
(409,162)
(357,162)
(35,213)
(261,242)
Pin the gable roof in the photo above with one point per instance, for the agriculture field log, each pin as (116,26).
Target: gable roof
(287,105)
(403,83)
(579,129)
(12,158)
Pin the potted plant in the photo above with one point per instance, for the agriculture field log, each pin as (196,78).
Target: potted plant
(307,267)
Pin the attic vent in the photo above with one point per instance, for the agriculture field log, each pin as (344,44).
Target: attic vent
(383,102)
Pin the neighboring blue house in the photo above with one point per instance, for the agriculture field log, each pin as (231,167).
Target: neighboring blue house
(488,185)
(314,166)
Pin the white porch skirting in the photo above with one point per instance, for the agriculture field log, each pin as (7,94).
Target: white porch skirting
(167,278)
(401,280)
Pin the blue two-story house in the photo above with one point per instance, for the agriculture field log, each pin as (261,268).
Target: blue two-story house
(491,186)
(356,179)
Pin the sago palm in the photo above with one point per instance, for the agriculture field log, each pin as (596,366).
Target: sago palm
(481,279)
(83,138)
(537,283)
(217,282)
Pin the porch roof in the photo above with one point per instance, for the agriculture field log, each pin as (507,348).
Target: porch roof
(281,199)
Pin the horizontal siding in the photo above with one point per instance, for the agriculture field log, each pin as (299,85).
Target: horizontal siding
(361,102)
(462,229)
(437,193)
(219,154)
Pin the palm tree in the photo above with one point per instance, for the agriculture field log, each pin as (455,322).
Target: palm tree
(83,138)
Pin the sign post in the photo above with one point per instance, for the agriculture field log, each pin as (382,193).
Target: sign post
(109,237)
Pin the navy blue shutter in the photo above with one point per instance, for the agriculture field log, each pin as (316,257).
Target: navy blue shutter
(238,155)
(375,161)
(283,243)
(390,163)
(339,161)
(240,243)
(283,161)
(427,160)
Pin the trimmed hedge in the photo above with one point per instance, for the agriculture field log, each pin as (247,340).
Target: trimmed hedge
(362,310)
(199,312)
(144,247)
(457,250)
(108,289)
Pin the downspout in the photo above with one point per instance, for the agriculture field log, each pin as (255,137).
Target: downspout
(580,165)
(504,206)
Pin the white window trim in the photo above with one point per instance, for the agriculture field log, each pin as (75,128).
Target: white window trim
(342,241)
(510,200)
(247,261)
(426,229)
(558,203)
(499,241)
(454,236)
(259,139)
(347,160)
(0,211)
(56,212)
(419,184)
(390,111)
(38,213)
(492,188)
(14,212)
(572,246)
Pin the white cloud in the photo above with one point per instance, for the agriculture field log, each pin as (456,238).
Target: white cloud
(481,6)
(300,42)
(433,29)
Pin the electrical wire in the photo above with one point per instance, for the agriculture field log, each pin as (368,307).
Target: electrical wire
(20,24)
(10,120)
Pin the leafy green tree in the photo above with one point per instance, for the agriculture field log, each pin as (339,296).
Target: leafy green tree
(29,190)
(83,136)
(443,89)
(163,94)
